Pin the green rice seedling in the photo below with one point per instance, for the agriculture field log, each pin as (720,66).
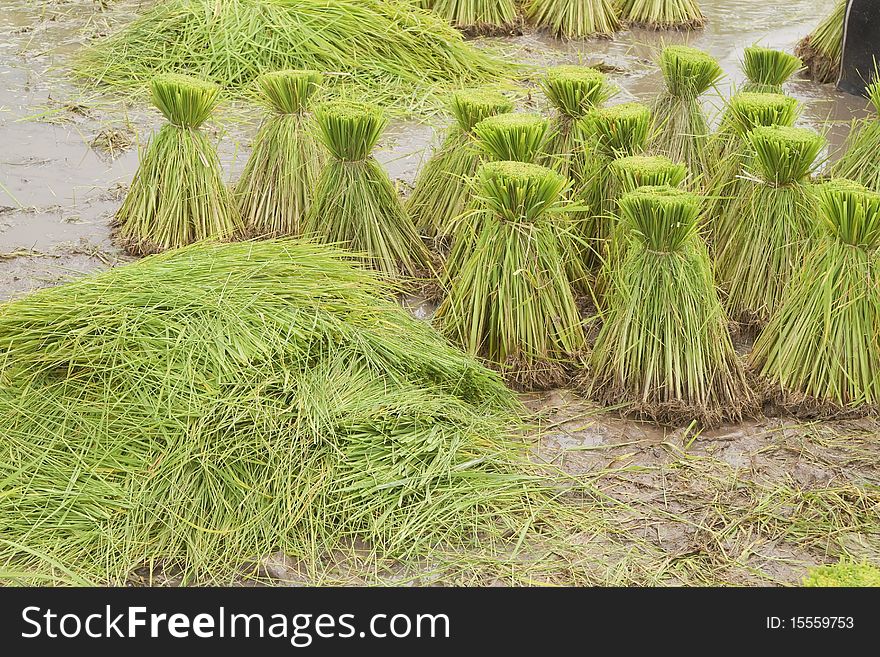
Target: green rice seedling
(820,352)
(518,137)
(389,52)
(442,188)
(859,160)
(662,14)
(822,49)
(487,17)
(664,345)
(510,300)
(574,19)
(355,202)
(276,188)
(845,572)
(178,195)
(729,152)
(573,91)
(775,223)
(682,129)
(767,69)
(199,410)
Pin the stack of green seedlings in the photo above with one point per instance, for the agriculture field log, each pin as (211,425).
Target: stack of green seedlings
(608,133)
(730,151)
(775,226)
(844,573)
(478,17)
(275,190)
(664,347)
(574,19)
(573,92)
(662,14)
(822,49)
(820,352)
(628,174)
(860,161)
(355,202)
(511,301)
(178,195)
(767,70)
(442,188)
(682,129)
(385,51)
(187,415)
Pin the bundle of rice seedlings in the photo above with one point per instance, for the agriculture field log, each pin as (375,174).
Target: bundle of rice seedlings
(196,411)
(441,190)
(682,128)
(511,301)
(276,188)
(775,223)
(389,52)
(485,17)
(355,202)
(662,14)
(573,92)
(820,352)
(844,573)
(664,346)
(178,195)
(519,137)
(822,49)
(574,19)
(859,160)
(767,69)
(729,151)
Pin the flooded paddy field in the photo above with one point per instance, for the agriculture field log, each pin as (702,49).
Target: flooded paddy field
(753,503)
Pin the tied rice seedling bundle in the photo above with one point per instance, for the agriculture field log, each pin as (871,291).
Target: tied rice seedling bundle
(510,300)
(820,352)
(730,151)
(276,188)
(775,223)
(479,17)
(573,91)
(664,346)
(662,14)
(861,151)
(201,409)
(574,19)
(682,129)
(822,49)
(390,52)
(178,195)
(767,69)
(628,174)
(355,202)
(442,188)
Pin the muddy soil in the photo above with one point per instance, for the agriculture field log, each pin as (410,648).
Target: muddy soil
(753,503)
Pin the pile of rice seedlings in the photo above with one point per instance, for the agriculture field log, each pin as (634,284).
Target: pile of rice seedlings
(355,202)
(730,151)
(845,573)
(198,410)
(859,160)
(682,127)
(664,346)
(822,49)
(442,188)
(767,69)
(511,301)
(519,137)
(178,195)
(574,19)
(573,91)
(389,52)
(775,223)
(275,190)
(820,353)
(662,14)
(486,17)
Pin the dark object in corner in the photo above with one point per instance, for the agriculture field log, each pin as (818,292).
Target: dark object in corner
(861,46)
